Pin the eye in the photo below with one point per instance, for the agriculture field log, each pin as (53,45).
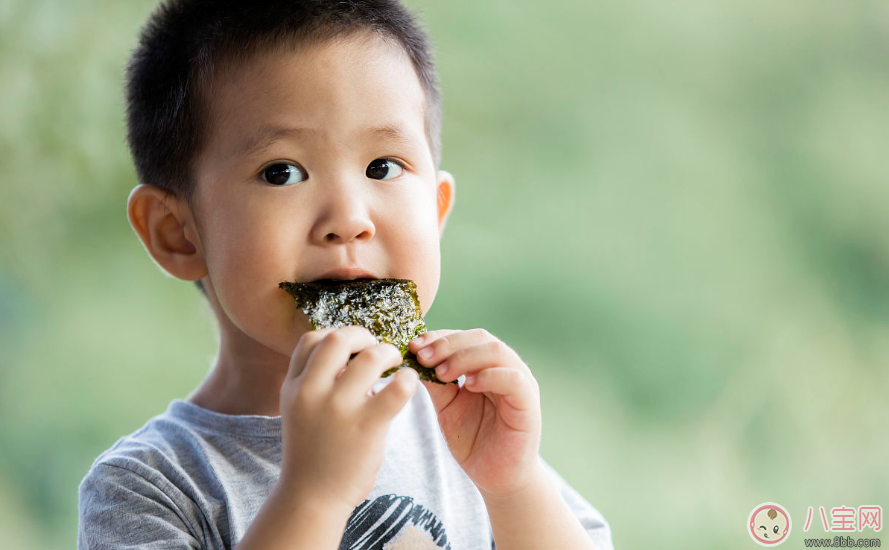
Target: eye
(380,168)
(282,173)
(775,529)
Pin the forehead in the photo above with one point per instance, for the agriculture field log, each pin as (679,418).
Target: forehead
(350,89)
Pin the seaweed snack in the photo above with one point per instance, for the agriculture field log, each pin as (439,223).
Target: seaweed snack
(389,308)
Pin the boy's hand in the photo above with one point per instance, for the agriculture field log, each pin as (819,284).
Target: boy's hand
(492,424)
(333,430)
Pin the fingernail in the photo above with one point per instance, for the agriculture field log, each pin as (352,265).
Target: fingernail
(419,339)
(425,353)
(470,380)
(441,369)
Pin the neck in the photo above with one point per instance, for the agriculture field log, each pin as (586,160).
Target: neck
(246,377)
(241,385)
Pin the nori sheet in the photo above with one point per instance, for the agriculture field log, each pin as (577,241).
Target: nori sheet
(389,308)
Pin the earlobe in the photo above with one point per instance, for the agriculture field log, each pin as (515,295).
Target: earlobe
(166,227)
(445,198)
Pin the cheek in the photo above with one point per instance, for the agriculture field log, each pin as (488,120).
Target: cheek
(419,221)
(419,256)
(247,258)
(241,248)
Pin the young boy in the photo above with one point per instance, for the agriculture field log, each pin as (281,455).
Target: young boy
(293,141)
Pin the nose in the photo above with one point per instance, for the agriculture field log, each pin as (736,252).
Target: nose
(344,218)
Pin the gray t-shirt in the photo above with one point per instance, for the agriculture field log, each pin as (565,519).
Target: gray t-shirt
(194,478)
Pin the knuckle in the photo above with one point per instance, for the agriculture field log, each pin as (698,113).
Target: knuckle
(510,377)
(337,337)
(392,350)
(495,347)
(363,330)
(514,375)
(403,388)
(311,337)
(482,333)
(525,376)
(442,344)
(372,354)
(458,358)
(383,351)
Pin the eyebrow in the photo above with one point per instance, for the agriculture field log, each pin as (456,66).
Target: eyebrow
(268,135)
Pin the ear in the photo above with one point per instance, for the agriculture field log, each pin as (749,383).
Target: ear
(166,226)
(447,189)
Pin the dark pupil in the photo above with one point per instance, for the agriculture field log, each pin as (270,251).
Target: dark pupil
(378,168)
(278,174)
(775,529)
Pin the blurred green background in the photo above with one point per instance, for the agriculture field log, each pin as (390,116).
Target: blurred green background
(676,212)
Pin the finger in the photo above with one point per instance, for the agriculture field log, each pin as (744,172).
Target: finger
(428,337)
(511,384)
(332,353)
(391,399)
(366,367)
(441,348)
(304,347)
(485,355)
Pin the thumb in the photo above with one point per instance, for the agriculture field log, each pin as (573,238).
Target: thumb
(441,394)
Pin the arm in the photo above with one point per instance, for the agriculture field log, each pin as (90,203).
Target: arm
(287,520)
(126,506)
(492,425)
(537,517)
(327,421)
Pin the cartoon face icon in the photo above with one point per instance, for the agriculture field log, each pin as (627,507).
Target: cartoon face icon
(769,524)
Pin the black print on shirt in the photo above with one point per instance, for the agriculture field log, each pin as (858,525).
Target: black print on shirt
(393,522)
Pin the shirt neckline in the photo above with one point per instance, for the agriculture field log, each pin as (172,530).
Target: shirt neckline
(242,425)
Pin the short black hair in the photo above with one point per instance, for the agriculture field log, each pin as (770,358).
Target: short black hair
(185,43)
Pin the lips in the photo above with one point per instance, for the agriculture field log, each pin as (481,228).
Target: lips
(345,274)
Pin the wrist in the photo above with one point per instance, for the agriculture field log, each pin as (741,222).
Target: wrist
(533,483)
(290,519)
(300,500)
(535,516)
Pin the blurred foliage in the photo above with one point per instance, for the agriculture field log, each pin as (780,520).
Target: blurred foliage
(675,212)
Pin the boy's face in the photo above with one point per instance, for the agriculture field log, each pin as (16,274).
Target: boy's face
(341,206)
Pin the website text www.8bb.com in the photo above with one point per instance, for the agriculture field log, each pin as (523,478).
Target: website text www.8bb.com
(841,542)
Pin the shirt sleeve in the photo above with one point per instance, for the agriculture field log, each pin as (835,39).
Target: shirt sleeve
(591,519)
(121,509)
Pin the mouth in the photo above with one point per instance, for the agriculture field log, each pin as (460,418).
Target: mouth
(334,281)
(340,275)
